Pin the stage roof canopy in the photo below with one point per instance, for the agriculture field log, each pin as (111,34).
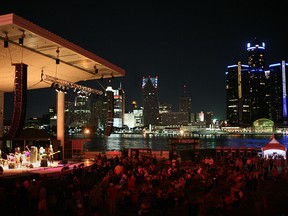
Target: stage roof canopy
(21,41)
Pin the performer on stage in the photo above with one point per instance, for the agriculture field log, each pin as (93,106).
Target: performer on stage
(51,154)
(41,153)
(18,157)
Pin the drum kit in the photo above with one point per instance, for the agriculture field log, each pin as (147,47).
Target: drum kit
(26,158)
(17,160)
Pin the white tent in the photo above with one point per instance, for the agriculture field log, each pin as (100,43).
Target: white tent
(274,149)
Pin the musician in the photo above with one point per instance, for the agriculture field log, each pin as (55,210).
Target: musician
(42,154)
(18,157)
(51,154)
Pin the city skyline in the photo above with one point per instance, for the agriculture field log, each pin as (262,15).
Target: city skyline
(181,44)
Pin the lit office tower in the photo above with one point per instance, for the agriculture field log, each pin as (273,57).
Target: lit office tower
(82,111)
(118,106)
(238,95)
(185,103)
(278,86)
(259,89)
(150,100)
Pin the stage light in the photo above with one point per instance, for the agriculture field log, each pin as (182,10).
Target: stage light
(65,86)
(21,39)
(95,69)
(57,56)
(112,76)
(6,43)
(102,77)
(52,85)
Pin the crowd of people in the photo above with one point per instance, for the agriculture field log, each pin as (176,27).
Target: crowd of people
(147,186)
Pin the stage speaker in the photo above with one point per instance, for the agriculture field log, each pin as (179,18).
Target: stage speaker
(44,163)
(1,170)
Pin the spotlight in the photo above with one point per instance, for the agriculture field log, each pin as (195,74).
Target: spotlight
(102,77)
(57,87)
(21,39)
(6,43)
(65,89)
(112,76)
(52,85)
(95,69)
(57,58)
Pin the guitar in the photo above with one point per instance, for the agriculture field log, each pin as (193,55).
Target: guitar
(53,153)
(50,154)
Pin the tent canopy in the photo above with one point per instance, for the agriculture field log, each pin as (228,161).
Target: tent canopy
(274,145)
(274,149)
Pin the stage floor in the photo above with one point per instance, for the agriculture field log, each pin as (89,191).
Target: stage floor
(48,169)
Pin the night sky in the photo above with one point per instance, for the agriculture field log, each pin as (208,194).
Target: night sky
(181,43)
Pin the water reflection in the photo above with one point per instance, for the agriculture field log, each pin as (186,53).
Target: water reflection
(121,141)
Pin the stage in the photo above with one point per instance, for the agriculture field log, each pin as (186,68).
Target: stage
(35,170)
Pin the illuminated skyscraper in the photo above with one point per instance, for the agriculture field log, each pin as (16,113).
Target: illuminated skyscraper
(248,88)
(118,106)
(238,95)
(185,103)
(150,100)
(259,88)
(278,85)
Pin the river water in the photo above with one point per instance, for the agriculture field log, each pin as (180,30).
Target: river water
(157,143)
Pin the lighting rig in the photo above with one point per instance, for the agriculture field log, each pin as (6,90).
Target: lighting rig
(63,86)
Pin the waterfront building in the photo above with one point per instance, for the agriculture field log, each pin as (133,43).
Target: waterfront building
(68,113)
(82,111)
(174,118)
(134,119)
(209,119)
(150,100)
(238,109)
(278,87)
(201,119)
(138,117)
(259,88)
(98,115)
(248,88)
(185,103)
(52,116)
(129,120)
(118,106)
(164,107)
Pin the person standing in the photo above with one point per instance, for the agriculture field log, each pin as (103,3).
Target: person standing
(18,157)
(42,201)
(112,195)
(51,154)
